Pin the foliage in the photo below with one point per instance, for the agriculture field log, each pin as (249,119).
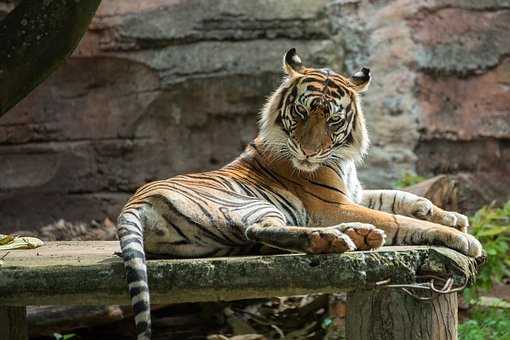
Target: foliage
(406,179)
(492,323)
(491,226)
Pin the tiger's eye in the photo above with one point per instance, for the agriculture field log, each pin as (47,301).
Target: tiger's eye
(301,111)
(335,120)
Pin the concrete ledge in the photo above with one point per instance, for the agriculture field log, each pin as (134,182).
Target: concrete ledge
(82,273)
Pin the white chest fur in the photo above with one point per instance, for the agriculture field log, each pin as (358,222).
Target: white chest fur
(350,178)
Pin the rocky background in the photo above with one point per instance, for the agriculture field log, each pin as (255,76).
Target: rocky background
(161,87)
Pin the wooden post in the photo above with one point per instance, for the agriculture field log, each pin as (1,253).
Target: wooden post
(13,325)
(390,313)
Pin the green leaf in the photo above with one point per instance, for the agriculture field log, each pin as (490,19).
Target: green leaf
(493,231)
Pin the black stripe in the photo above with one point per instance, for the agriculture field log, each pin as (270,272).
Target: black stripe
(137,290)
(190,194)
(326,186)
(310,193)
(142,327)
(247,190)
(395,236)
(283,95)
(311,79)
(175,227)
(393,203)
(339,172)
(313,88)
(281,202)
(131,254)
(370,202)
(200,227)
(123,231)
(148,188)
(125,243)
(226,182)
(140,306)
(211,178)
(268,171)
(134,275)
(289,207)
(252,212)
(131,212)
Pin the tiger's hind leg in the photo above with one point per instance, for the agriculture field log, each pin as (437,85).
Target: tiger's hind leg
(408,204)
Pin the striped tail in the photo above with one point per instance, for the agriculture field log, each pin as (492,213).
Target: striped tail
(130,231)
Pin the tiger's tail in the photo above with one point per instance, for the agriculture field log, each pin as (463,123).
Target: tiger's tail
(130,232)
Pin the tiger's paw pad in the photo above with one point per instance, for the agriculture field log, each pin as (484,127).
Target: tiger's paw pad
(329,240)
(365,236)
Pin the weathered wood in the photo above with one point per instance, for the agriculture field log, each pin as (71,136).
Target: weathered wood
(85,273)
(13,325)
(381,314)
(35,38)
(44,320)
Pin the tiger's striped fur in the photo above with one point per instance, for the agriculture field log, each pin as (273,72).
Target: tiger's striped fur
(295,187)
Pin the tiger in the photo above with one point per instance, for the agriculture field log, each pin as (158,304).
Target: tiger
(294,188)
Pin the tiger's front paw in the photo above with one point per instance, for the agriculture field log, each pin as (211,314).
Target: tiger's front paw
(329,240)
(455,239)
(424,209)
(467,244)
(365,236)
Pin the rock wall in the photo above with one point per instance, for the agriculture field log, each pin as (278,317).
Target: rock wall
(161,87)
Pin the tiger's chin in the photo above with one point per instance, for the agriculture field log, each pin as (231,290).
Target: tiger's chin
(305,165)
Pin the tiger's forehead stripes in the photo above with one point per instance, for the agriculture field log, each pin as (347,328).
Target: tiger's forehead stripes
(326,82)
(321,91)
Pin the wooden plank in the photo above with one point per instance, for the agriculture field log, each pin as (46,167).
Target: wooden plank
(13,325)
(83,273)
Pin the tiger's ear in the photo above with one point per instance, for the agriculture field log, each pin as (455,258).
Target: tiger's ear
(292,64)
(361,79)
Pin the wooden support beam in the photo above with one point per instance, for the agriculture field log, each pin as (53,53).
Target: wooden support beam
(380,314)
(13,325)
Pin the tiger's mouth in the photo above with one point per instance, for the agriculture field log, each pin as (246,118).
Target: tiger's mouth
(305,165)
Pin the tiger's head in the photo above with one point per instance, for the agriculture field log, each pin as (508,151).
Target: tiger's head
(314,117)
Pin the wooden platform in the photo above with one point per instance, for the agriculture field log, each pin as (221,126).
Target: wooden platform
(87,273)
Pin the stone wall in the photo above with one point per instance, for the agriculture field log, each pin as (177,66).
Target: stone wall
(161,87)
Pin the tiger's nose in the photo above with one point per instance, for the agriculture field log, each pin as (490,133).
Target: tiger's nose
(308,152)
